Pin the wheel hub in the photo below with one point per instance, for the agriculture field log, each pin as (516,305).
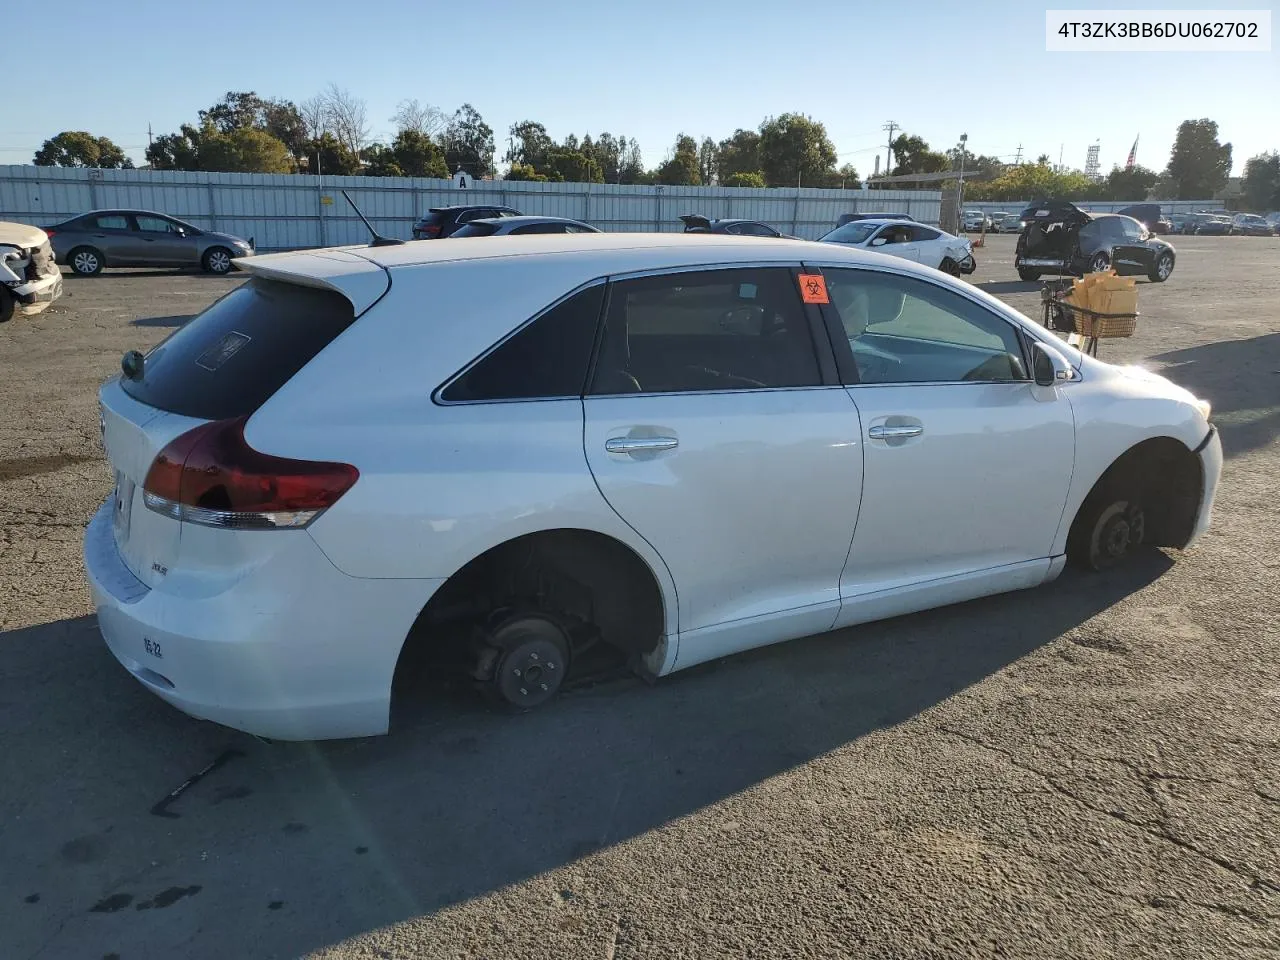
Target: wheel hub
(532,662)
(1120,529)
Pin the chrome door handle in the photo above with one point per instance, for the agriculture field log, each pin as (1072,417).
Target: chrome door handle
(640,444)
(882,432)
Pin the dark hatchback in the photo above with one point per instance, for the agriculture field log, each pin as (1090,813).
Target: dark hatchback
(1060,238)
(441,222)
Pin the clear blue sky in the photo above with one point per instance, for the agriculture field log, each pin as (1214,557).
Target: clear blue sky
(648,70)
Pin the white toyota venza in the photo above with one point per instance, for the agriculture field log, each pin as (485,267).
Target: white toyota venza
(511,455)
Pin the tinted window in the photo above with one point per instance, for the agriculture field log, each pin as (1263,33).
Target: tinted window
(855,232)
(894,234)
(108,221)
(710,330)
(231,358)
(758,230)
(1131,229)
(540,228)
(155,224)
(478,229)
(546,358)
(466,216)
(924,233)
(904,330)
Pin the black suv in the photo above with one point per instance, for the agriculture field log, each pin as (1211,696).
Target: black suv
(440,222)
(1060,238)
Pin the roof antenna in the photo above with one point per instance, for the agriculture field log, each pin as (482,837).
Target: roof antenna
(378,240)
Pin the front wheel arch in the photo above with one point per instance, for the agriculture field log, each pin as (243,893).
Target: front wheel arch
(1163,476)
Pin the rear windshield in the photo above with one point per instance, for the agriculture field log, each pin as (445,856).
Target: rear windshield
(474,229)
(229,360)
(434,216)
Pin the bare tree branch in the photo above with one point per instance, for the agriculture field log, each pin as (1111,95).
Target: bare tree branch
(347,117)
(423,118)
(315,115)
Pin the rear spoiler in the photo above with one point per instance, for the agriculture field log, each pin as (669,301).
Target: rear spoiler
(695,221)
(357,278)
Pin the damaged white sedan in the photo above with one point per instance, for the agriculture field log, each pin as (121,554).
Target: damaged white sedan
(29,278)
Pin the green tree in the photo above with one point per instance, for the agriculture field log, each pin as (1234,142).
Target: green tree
(708,161)
(245,150)
(77,148)
(682,168)
(380,161)
(523,171)
(243,110)
(631,165)
(468,143)
(1033,181)
(326,154)
(530,144)
(1129,183)
(573,166)
(739,153)
(749,178)
(978,164)
(1198,164)
(1262,182)
(794,150)
(176,151)
(914,156)
(418,155)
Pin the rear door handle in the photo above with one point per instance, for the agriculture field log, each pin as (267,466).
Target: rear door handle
(640,444)
(881,432)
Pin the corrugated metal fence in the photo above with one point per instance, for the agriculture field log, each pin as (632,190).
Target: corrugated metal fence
(292,211)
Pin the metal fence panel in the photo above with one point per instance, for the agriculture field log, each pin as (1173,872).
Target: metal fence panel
(282,211)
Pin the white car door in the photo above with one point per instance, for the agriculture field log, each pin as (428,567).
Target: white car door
(716,428)
(896,240)
(967,460)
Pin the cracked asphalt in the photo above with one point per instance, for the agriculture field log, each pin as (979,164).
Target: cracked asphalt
(1090,769)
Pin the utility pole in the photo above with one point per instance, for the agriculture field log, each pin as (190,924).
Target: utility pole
(148,134)
(1017,157)
(890,126)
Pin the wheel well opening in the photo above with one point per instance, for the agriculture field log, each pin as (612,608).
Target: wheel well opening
(600,588)
(1167,479)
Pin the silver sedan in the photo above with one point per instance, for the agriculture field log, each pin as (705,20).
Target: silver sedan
(140,238)
(516,226)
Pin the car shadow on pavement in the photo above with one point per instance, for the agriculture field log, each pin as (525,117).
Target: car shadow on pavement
(1241,379)
(283,848)
(161,321)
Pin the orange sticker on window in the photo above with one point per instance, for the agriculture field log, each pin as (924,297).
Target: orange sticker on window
(813,288)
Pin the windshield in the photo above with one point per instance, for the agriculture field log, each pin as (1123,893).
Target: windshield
(476,228)
(856,232)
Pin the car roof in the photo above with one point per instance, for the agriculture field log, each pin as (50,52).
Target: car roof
(881,221)
(602,253)
(527,218)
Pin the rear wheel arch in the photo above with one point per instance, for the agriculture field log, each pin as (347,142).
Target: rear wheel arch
(584,578)
(1161,474)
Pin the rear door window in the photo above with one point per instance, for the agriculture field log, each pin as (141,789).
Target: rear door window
(477,229)
(924,233)
(230,359)
(713,330)
(109,221)
(545,359)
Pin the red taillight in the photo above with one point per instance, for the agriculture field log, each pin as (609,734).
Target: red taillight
(432,230)
(50,232)
(210,475)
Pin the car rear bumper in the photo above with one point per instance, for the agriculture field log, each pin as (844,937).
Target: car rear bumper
(295,650)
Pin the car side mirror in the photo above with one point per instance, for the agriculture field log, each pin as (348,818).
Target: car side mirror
(1048,366)
(879,242)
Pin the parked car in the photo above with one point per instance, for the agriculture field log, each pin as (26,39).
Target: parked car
(1274,219)
(29,276)
(1148,214)
(995,220)
(515,226)
(974,221)
(850,217)
(610,422)
(142,238)
(1011,224)
(1178,222)
(696,223)
(1209,225)
(910,241)
(1060,238)
(441,222)
(1251,225)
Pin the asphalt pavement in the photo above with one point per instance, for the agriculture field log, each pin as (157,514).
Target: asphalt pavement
(1089,769)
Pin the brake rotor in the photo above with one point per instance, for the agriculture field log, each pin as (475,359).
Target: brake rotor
(533,661)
